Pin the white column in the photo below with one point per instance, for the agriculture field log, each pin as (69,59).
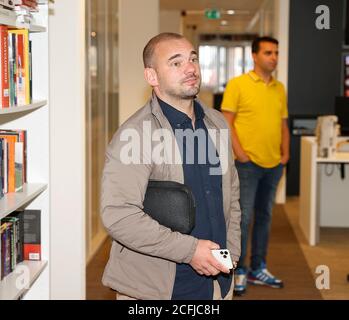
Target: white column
(138,22)
(281,23)
(67,149)
(282,18)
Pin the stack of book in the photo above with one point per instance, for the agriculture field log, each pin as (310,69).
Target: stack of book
(15,67)
(20,239)
(13,160)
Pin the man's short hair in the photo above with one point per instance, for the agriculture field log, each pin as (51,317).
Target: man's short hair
(256,42)
(148,51)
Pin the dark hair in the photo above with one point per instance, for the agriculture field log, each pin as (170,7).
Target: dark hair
(258,40)
(149,49)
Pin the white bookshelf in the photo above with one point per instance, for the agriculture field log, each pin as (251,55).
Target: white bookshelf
(34,118)
(17,200)
(18,282)
(28,107)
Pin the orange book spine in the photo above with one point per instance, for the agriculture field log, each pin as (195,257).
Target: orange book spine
(11,140)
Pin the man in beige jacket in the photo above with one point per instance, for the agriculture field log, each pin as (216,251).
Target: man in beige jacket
(148,260)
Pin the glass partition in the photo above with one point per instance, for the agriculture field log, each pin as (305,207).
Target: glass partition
(101,105)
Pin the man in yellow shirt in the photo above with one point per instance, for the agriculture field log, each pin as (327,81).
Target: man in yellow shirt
(254,104)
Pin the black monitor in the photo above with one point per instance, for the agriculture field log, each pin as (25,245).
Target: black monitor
(341,110)
(303,125)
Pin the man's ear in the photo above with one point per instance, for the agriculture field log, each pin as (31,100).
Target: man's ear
(151,77)
(254,56)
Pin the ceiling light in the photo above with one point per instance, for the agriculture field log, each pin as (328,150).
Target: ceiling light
(224,22)
(230,11)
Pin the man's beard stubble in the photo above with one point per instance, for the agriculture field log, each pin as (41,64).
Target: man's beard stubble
(186,94)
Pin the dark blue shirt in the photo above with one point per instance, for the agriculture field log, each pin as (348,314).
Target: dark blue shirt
(195,146)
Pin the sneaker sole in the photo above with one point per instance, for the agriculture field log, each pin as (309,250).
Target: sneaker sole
(260,283)
(239,293)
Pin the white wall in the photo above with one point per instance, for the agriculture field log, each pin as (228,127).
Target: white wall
(281,23)
(138,22)
(170,21)
(67,149)
(282,18)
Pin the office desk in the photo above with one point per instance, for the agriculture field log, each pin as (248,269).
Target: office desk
(324,195)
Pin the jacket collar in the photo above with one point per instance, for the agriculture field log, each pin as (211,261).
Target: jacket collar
(157,112)
(178,118)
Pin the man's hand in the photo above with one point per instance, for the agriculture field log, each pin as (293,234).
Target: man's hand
(284,159)
(243,157)
(203,262)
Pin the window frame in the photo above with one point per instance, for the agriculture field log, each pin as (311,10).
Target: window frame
(245,45)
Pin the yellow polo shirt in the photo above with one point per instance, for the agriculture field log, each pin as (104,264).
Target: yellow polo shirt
(259,109)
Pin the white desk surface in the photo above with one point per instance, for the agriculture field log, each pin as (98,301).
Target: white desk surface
(339,157)
(310,202)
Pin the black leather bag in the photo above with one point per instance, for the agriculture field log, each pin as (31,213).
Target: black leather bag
(172,204)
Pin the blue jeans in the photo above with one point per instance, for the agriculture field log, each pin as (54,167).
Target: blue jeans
(257,193)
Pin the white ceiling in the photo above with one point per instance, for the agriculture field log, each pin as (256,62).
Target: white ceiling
(237,23)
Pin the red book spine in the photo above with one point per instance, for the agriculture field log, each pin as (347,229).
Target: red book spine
(4,86)
(32,251)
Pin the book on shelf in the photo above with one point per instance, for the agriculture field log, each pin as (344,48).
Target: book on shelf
(4,166)
(22,66)
(19,167)
(4,78)
(12,53)
(21,76)
(30,72)
(20,247)
(32,235)
(20,239)
(1,169)
(6,230)
(2,229)
(13,160)
(21,137)
(5,250)
(14,227)
(11,140)
(15,67)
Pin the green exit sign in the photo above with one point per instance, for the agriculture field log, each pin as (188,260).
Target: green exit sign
(212,14)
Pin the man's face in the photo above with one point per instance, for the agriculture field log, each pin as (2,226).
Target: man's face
(267,56)
(177,69)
